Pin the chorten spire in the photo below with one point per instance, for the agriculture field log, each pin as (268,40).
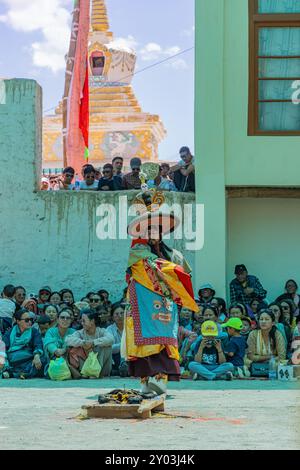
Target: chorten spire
(99,16)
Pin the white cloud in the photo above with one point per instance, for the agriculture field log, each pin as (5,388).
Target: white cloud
(128,44)
(153,51)
(178,64)
(51,19)
(189,33)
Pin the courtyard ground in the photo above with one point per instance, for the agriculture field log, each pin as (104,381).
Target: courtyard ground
(41,414)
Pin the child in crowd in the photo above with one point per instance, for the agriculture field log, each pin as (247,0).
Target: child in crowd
(247,327)
(235,349)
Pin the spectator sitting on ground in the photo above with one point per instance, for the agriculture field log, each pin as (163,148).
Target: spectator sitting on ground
(20,296)
(55,340)
(220,304)
(65,183)
(91,339)
(266,341)
(109,182)
(31,305)
(198,319)
(51,311)
(95,300)
(24,348)
(245,287)
(236,311)
(118,166)
(247,327)
(210,362)
(287,319)
(2,358)
(186,318)
(210,314)
(277,312)
(163,182)
(104,316)
(291,288)
(184,171)
(43,324)
(132,180)
(105,302)
(116,330)
(235,348)
(255,305)
(206,294)
(67,296)
(7,308)
(90,183)
(44,295)
(55,298)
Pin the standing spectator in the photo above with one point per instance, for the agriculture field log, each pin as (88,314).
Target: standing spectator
(210,361)
(24,348)
(7,308)
(89,183)
(206,294)
(291,288)
(184,171)
(245,287)
(45,184)
(65,183)
(267,341)
(132,180)
(163,181)
(109,182)
(91,339)
(118,166)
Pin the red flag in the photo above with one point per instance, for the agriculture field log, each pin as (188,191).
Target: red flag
(77,105)
(84,116)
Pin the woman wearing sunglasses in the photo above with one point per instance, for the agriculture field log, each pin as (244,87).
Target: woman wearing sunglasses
(24,348)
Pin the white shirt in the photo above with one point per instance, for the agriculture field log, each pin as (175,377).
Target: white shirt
(7,308)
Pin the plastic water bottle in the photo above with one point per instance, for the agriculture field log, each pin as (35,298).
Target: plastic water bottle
(272,369)
(77,183)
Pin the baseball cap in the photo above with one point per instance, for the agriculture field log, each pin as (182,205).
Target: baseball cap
(235,323)
(209,328)
(240,268)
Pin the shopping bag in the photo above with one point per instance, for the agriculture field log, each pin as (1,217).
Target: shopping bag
(91,367)
(59,370)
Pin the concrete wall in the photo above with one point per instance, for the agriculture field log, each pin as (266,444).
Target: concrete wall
(264,235)
(49,238)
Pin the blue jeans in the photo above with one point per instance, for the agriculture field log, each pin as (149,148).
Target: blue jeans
(210,372)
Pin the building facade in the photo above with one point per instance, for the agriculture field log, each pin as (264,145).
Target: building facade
(248,139)
(118,126)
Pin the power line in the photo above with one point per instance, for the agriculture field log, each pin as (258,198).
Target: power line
(144,69)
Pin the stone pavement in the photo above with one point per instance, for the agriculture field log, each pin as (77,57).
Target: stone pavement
(41,414)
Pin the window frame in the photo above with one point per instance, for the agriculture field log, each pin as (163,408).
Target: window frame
(257,21)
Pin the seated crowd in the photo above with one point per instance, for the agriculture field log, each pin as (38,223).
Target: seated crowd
(180,177)
(51,329)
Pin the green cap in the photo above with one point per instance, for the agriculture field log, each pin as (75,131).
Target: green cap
(235,323)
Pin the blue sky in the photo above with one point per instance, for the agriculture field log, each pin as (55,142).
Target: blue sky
(34,35)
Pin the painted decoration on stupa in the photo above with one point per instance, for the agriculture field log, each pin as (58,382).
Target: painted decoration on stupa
(118,126)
